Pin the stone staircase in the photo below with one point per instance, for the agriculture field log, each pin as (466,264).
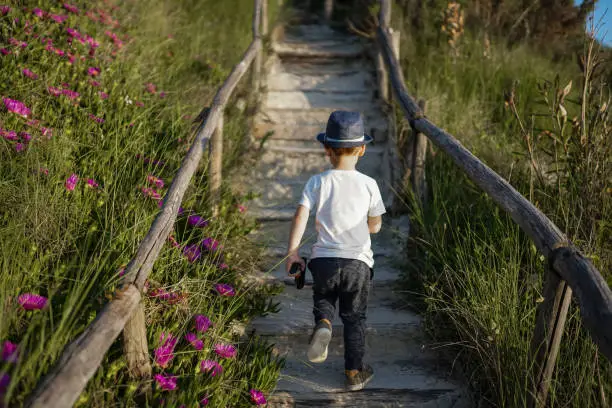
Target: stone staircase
(313,71)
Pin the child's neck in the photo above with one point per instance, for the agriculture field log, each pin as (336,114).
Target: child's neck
(344,162)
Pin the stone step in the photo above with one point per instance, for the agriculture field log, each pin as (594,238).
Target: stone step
(385,314)
(376,129)
(359,100)
(287,116)
(320,66)
(339,47)
(288,77)
(314,33)
(371,398)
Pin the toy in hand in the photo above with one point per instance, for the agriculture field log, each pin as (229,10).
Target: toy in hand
(299,275)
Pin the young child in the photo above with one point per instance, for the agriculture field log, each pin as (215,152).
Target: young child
(348,208)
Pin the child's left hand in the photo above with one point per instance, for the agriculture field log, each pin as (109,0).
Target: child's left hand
(294,258)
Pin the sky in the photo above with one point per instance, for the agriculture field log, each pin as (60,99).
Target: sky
(603,13)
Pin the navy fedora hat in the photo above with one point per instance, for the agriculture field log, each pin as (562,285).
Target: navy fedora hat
(344,129)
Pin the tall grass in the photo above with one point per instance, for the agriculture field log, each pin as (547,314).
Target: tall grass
(480,276)
(71,245)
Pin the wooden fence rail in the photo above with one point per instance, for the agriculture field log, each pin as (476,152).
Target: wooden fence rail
(568,271)
(62,386)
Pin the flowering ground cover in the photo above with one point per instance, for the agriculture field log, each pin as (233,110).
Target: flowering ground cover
(96,107)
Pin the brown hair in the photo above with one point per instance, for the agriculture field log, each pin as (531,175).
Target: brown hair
(344,151)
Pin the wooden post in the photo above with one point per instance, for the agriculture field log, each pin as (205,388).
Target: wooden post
(264,18)
(550,322)
(259,57)
(419,181)
(216,166)
(384,16)
(329,9)
(135,347)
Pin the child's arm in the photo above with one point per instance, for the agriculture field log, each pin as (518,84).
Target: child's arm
(374,224)
(298,226)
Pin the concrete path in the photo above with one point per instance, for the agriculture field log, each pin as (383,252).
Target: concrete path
(313,71)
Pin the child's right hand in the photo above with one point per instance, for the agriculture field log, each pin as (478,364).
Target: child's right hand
(294,258)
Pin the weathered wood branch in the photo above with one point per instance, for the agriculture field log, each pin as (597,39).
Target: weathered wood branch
(384,15)
(215,166)
(588,285)
(80,360)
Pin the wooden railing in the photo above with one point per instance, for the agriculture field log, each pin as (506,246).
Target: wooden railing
(568,271)
(62,386)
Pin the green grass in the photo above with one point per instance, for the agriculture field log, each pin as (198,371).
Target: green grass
(479,275)
(70,245)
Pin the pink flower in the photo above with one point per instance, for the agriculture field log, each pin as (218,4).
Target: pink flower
(165,382)
(9,135)
(17,43)
(224,289)
(58,18)
(139,104)
(151,179)
(165,353)
(19,147)
(44,171)
(204,401)
(103,95)
(223,266)
(4,10)
(38,12)
(54,91)
(70,94)
(71,182)
(47,132)
(202,323)
(95,118)
(30,301)
(151,88)
(258,397)
(25,136)
(192,252)
(170,297)
(9,352)
(15,106)
(241,208)
(173,240)
(93,71)
(91,183)
(73,32)
(225,350)
(211,244)
(162,95)
(151,192)
(211,366)
(195,342)
(196,221)
(29,74)
(71,8)
(4,51)
(94,83)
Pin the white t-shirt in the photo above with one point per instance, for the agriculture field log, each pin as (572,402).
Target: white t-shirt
(343,200)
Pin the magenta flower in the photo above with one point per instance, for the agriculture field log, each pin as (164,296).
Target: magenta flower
(25,136)
(71,182)
(54,91)
(162,95)
(170,297)
(15,106)
(58,18)
(5,380)
(9,352)
(195,342)
(151,192)
(19,147)
(4,10)
(103,95)
(29,74)
(30,301)
(211,244)
(196,221)
(139,104)
(71,8)
(70,94)
(192,252)
(258,397)
(202,323)
(241,208)
(94,83)
(151,88)
(211,366)
(165,353)
(44,171)
(151,179)
(93,71)
(204,401)
(165,382)
(17,43)
(47,132)
(224,289)
(4,51)
(223,266)
(9,135)
(225,350)
(95,118)
(91,183)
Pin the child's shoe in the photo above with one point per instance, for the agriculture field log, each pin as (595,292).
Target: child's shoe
(356,380)
(321,336)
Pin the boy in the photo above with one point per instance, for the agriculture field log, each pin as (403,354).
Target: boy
(348,209)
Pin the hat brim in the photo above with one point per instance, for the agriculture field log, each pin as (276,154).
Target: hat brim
(348,143)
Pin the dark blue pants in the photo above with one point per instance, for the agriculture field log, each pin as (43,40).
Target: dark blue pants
(347,280)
